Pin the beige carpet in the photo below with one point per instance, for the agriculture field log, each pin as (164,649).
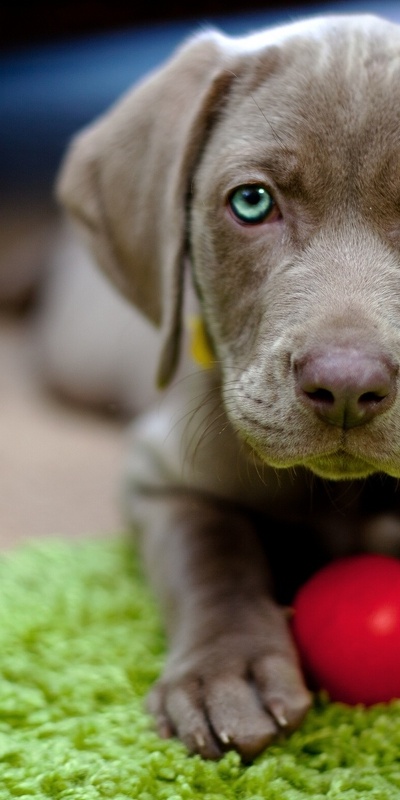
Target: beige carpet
(59,466)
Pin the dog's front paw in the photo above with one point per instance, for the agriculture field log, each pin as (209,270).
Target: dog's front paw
(229,697)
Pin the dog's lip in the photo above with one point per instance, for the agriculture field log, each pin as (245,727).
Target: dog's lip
(337,464)
(341,464)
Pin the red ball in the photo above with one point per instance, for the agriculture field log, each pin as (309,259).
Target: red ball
(346,624)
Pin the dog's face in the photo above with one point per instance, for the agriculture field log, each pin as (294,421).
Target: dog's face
(287,144)
(295,236)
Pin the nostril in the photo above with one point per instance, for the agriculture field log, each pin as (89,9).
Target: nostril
(321,396)
(369,398)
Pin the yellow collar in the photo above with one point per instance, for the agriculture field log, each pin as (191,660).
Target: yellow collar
(200,348)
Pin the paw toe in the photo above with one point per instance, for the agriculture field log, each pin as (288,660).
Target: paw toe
(237,717)
(282,690)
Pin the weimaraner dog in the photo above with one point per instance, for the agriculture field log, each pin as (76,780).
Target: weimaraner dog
(251,187)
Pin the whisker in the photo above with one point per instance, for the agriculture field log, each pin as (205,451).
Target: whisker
(211,427)
(259,469)
(274,133)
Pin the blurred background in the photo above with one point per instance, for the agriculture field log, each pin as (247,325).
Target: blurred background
(61,65)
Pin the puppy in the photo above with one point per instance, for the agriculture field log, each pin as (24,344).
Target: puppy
(255,184)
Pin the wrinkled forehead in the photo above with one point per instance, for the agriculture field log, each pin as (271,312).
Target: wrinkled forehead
(327,100)
(341,76)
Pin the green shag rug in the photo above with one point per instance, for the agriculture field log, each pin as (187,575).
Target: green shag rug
(80,644)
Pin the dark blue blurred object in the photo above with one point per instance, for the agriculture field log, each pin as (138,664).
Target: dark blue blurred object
(49,92)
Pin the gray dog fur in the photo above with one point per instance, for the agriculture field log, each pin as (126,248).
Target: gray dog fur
(302,313)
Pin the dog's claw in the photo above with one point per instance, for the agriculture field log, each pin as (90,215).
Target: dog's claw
(277,710)
(200,741)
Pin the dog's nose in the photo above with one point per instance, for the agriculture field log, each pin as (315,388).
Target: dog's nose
(345,386)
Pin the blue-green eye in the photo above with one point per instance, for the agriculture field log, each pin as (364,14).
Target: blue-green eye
(251,203)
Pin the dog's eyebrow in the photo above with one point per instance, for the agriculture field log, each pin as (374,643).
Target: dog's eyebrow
(284,167)
(289,178)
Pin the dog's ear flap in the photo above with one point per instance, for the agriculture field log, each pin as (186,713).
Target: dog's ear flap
(127,177)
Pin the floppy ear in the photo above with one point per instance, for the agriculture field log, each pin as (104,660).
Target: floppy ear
(127,177)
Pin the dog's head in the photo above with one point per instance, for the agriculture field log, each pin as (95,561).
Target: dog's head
(271,164)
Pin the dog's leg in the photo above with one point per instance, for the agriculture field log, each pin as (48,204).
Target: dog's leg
(232,679)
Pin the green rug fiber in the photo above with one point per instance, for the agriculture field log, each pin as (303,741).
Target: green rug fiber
(80,643)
